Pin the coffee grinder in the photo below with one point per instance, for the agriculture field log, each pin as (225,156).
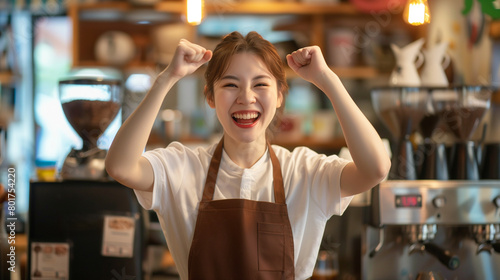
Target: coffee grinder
(85,225)
(90,105)
(401,109)
(431,155)
(462,110)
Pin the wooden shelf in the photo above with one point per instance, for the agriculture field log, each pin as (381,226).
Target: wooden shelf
(264,8)
(313,143)
(232,8)
(356,72)
(130,65)
(164,6)
(105,5)
(313,20)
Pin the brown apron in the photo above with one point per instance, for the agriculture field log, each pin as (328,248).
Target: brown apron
(239,238)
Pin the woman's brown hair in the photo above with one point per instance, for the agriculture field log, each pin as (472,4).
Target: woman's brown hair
(235,43)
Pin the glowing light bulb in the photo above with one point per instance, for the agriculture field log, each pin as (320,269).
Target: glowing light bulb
(417,12)
(194,11)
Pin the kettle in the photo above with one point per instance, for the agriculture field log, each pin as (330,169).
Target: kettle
(408,59)
(436,60)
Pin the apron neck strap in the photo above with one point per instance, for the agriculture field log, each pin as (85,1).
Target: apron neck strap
(213,170)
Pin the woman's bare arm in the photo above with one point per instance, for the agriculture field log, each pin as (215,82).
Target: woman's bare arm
(371,162)
(124,161)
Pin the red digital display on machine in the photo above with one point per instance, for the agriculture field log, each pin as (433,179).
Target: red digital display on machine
(409,200)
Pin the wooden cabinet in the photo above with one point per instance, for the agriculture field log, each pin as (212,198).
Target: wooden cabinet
(90,21)
(313,19)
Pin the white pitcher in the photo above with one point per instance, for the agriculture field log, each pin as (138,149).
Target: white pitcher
(436,60)
(408,59)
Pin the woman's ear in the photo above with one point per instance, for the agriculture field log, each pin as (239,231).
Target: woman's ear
(280,99)
(209,97)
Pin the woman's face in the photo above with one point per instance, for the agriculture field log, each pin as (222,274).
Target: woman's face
(246,98)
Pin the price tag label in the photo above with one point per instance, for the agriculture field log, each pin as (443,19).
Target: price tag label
(118,236)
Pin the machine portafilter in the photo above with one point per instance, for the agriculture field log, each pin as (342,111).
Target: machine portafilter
(420,238)
(487,237)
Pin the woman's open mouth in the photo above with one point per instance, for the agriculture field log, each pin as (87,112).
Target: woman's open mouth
(245,120)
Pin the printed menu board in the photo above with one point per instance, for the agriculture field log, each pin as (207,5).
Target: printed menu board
(50,261)
(118,236)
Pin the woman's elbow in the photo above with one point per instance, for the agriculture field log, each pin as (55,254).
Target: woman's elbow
(382,169)
(112,168)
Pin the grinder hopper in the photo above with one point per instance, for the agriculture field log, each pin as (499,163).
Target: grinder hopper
(90,105)
(401,109)
(462,109)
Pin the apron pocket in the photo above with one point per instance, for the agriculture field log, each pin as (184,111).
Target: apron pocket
(271,246)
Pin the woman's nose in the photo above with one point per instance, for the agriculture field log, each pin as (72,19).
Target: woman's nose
(246,96)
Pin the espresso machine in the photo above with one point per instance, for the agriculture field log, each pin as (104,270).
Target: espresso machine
(450,228)
(85,225)
(429,224)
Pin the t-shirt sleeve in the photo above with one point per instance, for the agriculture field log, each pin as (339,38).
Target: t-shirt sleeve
(322,174)
(145,198)
(168,164)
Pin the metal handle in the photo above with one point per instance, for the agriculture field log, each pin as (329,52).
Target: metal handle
(450,261)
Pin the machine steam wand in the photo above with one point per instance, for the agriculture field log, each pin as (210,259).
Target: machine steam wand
(379,244)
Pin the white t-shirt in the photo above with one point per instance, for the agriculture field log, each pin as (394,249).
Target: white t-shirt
(312,190)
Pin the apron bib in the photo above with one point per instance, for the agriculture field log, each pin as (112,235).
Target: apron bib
(240,238)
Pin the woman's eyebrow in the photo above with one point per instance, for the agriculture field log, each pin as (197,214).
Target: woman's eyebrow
(232,77)
(261,77)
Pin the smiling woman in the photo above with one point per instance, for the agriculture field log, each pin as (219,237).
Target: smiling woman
(242,208)
(248,68)
(249,98)
(245,100)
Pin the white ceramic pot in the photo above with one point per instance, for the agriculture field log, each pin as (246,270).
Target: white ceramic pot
(436,60)
(408,59)
(115,48)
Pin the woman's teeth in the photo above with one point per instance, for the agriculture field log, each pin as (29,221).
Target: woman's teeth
(246,119)
(246,116)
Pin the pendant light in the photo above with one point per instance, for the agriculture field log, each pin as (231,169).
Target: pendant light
(195,11)
(417,12)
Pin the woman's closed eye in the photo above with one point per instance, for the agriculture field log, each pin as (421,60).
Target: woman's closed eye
(230,85)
